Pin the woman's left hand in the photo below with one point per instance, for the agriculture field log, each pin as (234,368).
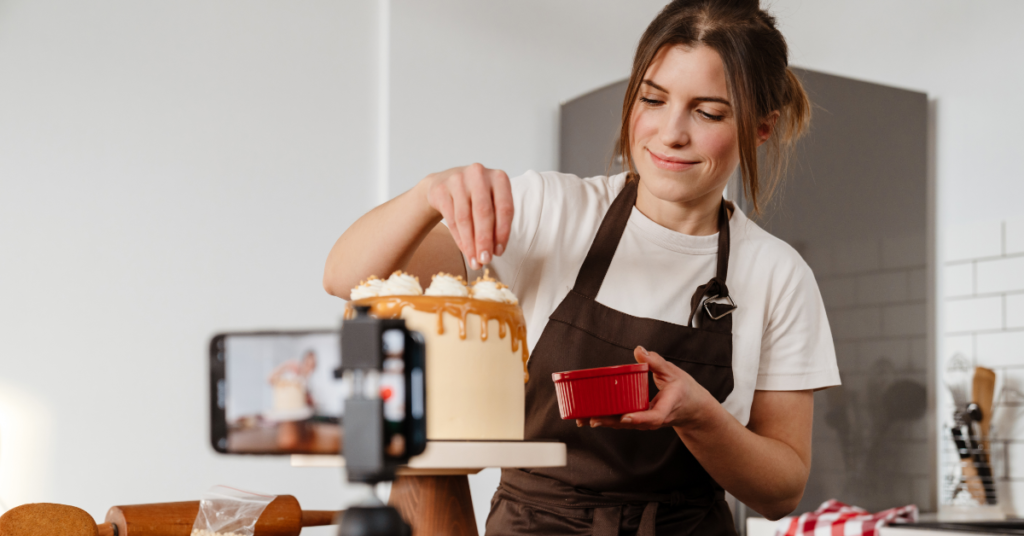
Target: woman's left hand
(679,400)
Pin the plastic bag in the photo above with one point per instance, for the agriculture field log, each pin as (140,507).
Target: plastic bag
(225,511)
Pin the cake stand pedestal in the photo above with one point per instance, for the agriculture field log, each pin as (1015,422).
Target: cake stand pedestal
(432,492)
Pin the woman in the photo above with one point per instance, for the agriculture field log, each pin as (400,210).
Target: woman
(650,265)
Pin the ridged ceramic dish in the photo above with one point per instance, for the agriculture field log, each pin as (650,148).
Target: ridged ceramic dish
(601,391)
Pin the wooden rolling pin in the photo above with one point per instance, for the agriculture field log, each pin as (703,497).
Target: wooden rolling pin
(47,518)
(282,517)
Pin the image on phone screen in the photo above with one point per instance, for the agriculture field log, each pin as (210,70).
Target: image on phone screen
(275,393)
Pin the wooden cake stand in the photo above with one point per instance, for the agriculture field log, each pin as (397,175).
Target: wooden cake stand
(432,492)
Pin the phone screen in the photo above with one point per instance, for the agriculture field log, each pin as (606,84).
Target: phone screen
(276,393)
(392,392)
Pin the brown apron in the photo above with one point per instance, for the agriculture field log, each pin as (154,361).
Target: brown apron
(615,480)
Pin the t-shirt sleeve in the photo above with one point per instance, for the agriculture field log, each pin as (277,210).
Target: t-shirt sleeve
(797,351)
(528,203)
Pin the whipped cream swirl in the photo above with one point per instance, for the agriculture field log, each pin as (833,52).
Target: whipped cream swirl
(369,288)
(401,284)
(509,297)
(444,284)
(490,289)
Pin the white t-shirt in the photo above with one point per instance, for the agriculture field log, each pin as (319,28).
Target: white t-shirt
(781,337)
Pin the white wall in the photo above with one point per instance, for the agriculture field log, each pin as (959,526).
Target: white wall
(167,170)
(481,81)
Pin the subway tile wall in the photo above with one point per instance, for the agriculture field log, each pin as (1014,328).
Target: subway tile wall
(983,296)
(869,433)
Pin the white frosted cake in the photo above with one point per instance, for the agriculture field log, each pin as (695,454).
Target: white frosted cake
(288,398)
(288,395)
(476,351)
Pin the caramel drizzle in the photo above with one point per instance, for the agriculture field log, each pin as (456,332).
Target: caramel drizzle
(509,317)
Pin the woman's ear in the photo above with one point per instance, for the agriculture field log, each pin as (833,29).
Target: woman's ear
(767,126)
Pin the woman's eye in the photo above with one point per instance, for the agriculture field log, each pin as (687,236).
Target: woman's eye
(711,116)
(650,102)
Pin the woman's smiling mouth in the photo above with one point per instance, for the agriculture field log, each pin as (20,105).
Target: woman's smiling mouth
(669,163)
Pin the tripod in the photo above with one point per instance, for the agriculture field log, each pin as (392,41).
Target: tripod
(382,432)
(373,520)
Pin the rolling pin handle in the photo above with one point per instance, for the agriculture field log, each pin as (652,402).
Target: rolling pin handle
(319,518)
(107,529)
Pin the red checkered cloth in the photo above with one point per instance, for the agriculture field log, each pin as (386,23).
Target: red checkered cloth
(834,518)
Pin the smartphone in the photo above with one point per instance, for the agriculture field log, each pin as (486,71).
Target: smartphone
(276,392)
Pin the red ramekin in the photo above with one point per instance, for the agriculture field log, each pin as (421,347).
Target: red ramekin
(601,391)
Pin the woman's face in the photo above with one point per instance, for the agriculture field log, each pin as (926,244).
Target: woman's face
(684,135)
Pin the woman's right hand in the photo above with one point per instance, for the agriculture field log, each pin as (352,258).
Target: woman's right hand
(404,233)
(476,203)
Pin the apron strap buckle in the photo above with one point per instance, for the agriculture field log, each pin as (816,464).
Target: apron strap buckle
(723,305)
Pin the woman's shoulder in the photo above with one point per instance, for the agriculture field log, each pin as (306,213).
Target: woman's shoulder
(563,194)
(774,257)
(556,183)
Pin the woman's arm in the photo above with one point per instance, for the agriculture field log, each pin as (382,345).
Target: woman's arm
(765,464)
(405,233)
(386,239)
(277,372)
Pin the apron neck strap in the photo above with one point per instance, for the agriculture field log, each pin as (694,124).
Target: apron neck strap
(599,258)
(723,242)
(715,292)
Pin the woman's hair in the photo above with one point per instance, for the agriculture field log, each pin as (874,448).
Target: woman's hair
(757,74)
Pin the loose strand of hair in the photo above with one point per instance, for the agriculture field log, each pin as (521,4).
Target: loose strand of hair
(798,108)
(795,116)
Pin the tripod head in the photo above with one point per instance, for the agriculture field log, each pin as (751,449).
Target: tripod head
(373,521)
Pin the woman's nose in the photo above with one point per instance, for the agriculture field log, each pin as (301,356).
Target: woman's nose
(675,132)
